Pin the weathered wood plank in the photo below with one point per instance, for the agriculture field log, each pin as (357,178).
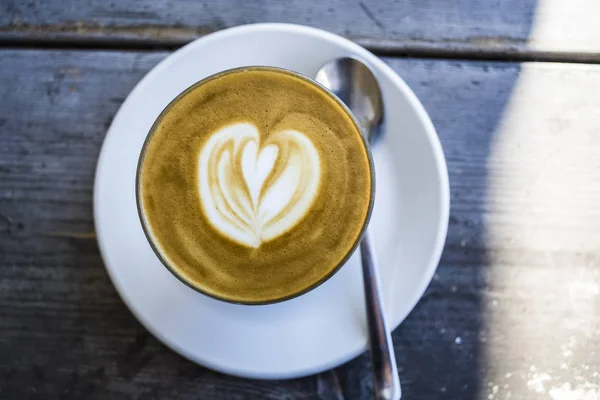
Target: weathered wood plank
(545,28)
(514,307)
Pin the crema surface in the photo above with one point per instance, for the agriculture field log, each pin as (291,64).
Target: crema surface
(254,185)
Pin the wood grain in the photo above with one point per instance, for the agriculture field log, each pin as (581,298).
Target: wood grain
(544,29)
(513,310)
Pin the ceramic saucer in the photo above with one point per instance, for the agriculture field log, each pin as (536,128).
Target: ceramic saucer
(325,327)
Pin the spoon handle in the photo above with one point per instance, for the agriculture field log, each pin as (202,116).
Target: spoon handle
(386,381)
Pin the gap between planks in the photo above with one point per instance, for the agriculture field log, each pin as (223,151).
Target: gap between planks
(482,49)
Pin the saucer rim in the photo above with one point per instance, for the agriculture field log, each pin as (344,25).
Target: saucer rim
(433,139)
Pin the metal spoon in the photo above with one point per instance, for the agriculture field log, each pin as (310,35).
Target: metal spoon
(355,84)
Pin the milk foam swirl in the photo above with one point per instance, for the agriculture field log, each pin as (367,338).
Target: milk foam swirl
(253,192)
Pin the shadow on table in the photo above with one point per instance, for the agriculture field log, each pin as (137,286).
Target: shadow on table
(66,334)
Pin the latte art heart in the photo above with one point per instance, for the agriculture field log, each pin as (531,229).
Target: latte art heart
(253,192)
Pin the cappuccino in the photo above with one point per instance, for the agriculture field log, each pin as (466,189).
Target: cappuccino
(254,185)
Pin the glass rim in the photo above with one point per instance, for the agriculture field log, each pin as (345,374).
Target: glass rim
(148,231)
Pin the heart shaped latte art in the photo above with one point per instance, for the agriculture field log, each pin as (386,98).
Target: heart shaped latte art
(253,194)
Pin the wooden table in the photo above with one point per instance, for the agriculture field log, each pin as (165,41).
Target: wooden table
(513,88)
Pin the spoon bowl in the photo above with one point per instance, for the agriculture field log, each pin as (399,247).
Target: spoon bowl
(356,85)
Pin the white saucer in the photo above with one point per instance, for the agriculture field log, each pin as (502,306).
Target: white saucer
(325,327)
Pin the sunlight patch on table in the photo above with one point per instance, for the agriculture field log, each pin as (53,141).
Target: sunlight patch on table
(566,25)
(543,222)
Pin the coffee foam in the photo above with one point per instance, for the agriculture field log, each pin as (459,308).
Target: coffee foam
(252,193)
(261,241)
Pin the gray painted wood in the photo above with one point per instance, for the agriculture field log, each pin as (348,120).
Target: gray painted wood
(513,310)
(516,28)
(460,20)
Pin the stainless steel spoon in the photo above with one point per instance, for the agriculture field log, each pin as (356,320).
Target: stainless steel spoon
(355,84)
